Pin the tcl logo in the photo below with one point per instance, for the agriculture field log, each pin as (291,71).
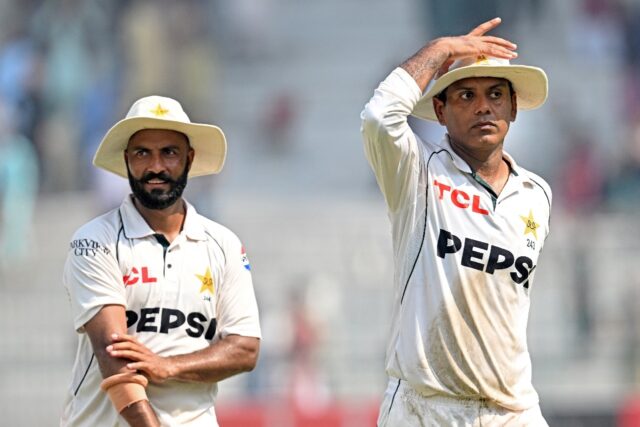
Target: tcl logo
(136,276)
(460,198)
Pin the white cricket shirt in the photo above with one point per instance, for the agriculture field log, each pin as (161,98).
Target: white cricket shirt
(464,259)
(178,298)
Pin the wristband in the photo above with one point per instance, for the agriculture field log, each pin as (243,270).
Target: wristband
(125,389)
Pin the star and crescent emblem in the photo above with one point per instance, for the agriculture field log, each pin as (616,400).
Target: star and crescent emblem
(206,281)
(531,226)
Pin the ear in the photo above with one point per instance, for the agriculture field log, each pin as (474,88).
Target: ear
(438,106)
(514,107)
(190,155)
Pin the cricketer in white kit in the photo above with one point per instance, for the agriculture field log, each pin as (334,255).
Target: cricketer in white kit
(161,297)
(468,225)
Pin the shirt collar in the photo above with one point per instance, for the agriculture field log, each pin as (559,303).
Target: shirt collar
(135,226)
(457,160)
(516,171)
(193,227)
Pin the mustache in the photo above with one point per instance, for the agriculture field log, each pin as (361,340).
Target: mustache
(152,175)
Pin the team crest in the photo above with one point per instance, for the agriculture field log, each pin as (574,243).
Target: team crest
(159,111)
(245,259)
(206,281)
(531,226)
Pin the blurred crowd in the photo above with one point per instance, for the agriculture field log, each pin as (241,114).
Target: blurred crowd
(606,32)
(70,68)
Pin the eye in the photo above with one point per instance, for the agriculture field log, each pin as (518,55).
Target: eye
(495,94)
(140,152)
(170,151)
(466,95)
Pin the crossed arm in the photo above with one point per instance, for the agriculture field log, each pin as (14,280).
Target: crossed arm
(231,355)
(118,352)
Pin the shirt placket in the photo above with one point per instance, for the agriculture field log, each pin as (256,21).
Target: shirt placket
(171,261)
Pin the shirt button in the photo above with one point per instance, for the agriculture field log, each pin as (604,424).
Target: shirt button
(169,265)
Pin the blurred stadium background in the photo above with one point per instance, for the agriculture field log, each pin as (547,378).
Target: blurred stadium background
(286,81)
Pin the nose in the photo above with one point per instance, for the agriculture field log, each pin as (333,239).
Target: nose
(482,106)
(156,164)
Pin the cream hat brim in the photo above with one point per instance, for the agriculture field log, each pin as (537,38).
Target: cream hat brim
(529,83)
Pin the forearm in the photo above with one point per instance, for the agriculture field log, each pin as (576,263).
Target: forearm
(384,118)
(424,65)
(227,357)
(137,414)
(140,414)
(101,329)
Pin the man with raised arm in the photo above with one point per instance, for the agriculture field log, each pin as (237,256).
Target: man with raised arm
(468,225)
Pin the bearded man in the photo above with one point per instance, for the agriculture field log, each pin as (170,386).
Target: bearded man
(161,297)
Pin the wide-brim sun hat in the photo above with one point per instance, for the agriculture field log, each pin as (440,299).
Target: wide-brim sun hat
(158,112)
(529,83)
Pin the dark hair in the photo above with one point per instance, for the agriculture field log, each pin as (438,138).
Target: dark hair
(442,96)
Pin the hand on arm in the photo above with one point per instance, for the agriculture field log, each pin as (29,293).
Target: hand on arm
(435,58)
(109,320)
(231,355)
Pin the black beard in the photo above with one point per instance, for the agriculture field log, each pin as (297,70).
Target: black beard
(157,198)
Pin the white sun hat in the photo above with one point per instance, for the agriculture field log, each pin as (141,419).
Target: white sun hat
(529,83)
(158,112)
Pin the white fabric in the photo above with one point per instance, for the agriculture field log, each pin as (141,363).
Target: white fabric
(116,259)
(463,266)
(404,407)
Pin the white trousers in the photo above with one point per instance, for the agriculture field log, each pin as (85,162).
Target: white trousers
(405,407)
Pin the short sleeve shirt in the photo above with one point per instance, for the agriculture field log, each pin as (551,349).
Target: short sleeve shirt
(179,298)
(464,258)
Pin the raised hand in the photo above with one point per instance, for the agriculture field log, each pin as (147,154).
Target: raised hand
(436,57)
(476,43)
